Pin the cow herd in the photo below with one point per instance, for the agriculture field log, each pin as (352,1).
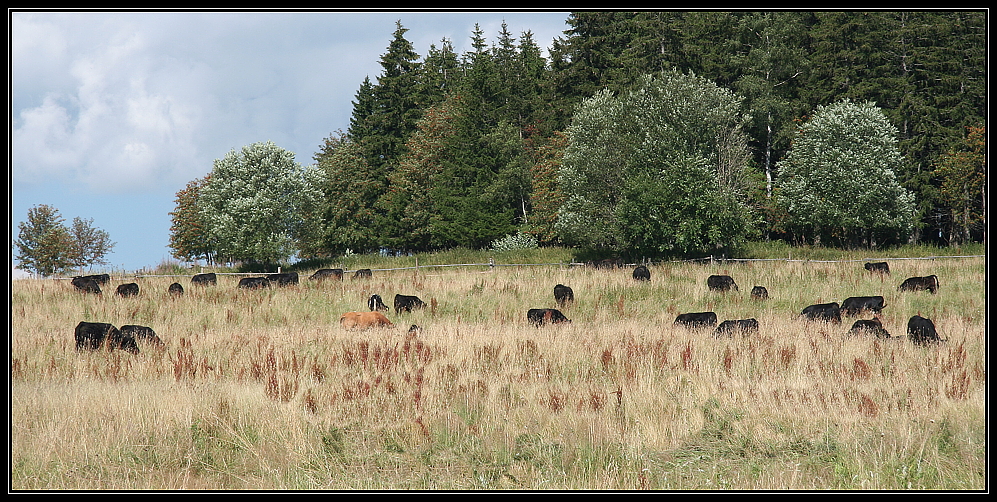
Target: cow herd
(92,336)
(920,330)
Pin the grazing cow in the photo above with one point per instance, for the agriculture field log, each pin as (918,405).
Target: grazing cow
(141,334)
(641,273)
(929,283)
(364,320)
(414,330)
(376,304)
(743,326)
(827,312)
(405,303)
(327,273)
(208,279)
(285,279)
(94,335)
(759,293)
(721,283)
(607,263)
(697,319)
(563,295)
(878,267)
(363,273)
(254,283)
(856,305)
(869,327)
(126,290)
(539,317)
(175,289)
(101,279)
(86,285)
(921,331)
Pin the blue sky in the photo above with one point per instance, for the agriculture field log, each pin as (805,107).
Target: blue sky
(112,113)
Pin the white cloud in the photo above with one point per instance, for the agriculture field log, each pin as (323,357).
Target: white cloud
(43,143)
(123,112)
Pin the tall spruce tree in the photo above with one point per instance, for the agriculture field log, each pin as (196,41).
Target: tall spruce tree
(441,74)
(350,191)
(394,103)
(361,124)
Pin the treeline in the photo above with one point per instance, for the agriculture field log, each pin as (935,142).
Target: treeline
(462,149)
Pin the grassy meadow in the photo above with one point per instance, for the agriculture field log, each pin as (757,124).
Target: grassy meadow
(263,390)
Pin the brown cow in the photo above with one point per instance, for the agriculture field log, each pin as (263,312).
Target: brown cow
(364,320)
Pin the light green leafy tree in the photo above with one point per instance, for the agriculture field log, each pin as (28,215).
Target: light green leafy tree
(43,242)
(657,170)
(259,205)
(838,181)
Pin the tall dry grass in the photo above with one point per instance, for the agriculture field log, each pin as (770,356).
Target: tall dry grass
(264,390)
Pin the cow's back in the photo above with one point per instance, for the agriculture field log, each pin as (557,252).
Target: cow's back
(364,320)
(206,279)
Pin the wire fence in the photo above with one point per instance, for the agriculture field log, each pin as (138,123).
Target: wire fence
(491,265)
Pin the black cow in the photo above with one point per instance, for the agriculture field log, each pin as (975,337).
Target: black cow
(101,279)
(731,326)
(175,289)
(563,295)
(208,279)
(921,331)
(86,285)
(869,327)
(254,283)
(856,305)
(327,273)
(94,335)
(607,263)
(697,319)
(827,312)
(127,289)
(641,273)
(405,303)
(375,303)
(363,273)
(539,317)
(759,293)
(721,283)
(143,334)
(285,279)
(929,283)
(879,267)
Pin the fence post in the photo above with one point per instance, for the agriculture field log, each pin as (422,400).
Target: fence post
(491,263)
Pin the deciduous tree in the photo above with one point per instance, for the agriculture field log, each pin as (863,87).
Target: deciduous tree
(963,175)
(254,202)
(838,182)
(43,242)
(657,170)
(189,239)
(88,245)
